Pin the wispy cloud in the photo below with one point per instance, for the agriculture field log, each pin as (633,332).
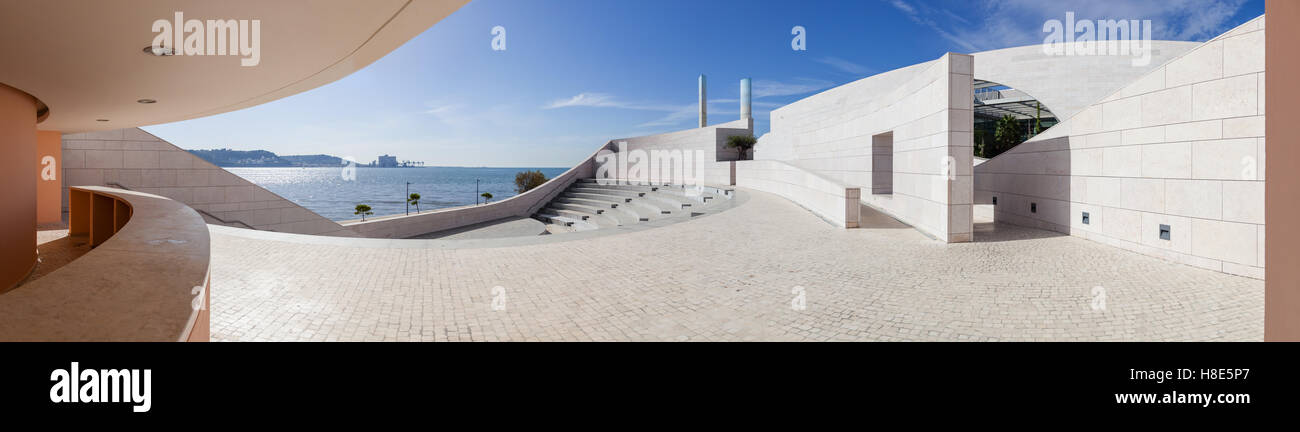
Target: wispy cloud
(1007,23)
(903,6)
(678,116)
(923,17)
(845,65)
(461,115)
(605,100)
(769,88)
(685,113)
(584,100)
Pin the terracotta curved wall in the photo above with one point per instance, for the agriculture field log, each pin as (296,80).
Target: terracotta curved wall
(18,221)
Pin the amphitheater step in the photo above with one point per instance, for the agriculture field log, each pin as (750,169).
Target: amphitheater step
(607,191)
(591,209)
(598,197)
(592,204)
(568,213)
(587,202)
(636,188)
(575,223)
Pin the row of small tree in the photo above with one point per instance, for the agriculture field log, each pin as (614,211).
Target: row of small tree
(524,182)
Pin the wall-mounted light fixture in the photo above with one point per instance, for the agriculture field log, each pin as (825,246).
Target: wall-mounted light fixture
(159,51)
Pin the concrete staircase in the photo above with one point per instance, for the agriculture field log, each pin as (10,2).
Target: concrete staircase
(589,204)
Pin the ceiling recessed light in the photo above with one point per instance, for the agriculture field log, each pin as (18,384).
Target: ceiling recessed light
(101,120)
(146,101)
(161,51)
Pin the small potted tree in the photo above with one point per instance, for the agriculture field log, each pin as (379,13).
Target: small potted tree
(486,196)
(414,199)
(742,143)
(363,210)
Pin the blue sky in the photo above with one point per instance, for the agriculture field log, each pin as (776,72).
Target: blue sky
(576,73)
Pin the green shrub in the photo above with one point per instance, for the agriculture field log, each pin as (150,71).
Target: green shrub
(527,180)
(742,143)
(363,210)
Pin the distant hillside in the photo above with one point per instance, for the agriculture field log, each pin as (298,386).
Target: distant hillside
(314,160)
(263,158)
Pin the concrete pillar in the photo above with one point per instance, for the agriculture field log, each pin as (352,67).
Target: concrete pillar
(18,221)
(704,115)
(1281,181)
(745,112)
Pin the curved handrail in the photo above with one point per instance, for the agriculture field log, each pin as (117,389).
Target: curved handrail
(147,281)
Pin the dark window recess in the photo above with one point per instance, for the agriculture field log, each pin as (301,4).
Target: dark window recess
(1085,218)
(1033,207)
(995,200)
(1164,232)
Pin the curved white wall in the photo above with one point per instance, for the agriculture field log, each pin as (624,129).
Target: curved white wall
(1181,146)
(1068,84)
(928,110)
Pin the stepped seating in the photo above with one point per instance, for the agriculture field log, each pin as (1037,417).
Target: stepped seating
(590,204)
(600,220)
(575,223)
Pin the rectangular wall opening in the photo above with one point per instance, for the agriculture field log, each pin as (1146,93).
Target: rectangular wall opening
(882,163)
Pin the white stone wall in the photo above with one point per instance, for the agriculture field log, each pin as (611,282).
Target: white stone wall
(142,162)
(1068,84)
(1181,146)
(832,201)
(711,140)
(928,109)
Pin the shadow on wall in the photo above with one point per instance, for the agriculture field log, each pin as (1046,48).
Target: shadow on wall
(870,218)
(1029,186)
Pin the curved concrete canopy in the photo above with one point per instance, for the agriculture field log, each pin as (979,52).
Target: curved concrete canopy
(85,59)
(1068,84)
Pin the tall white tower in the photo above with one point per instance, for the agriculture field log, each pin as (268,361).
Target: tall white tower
(704,115)
(744,99)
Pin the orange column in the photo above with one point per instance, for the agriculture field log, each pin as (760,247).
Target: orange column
(1282,180)
(18,195)
(49,176)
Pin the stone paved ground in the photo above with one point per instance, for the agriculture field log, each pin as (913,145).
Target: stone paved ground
(726,276)
(54,250)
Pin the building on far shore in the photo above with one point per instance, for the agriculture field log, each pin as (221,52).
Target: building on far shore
(387,161)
